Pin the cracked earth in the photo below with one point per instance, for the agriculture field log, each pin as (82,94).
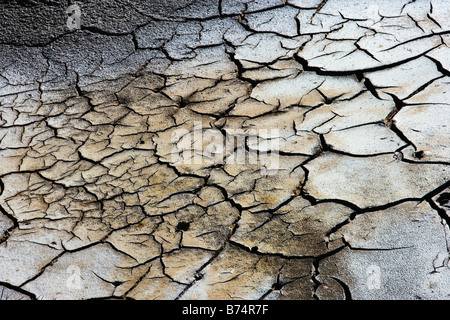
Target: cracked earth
(97,200)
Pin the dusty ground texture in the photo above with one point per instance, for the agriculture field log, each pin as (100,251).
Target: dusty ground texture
(97,197)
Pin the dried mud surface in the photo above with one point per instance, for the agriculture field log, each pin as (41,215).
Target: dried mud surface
(97,199)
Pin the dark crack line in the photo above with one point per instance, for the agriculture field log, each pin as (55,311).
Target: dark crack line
(42,270)
(31,295)
(320,71)
(7,233)
(418,38)
(439,66)
(347,244)
(358,211)
(345,287)
(423,87)
(315,269)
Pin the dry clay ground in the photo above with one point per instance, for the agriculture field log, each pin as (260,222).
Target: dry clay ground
(99,197)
